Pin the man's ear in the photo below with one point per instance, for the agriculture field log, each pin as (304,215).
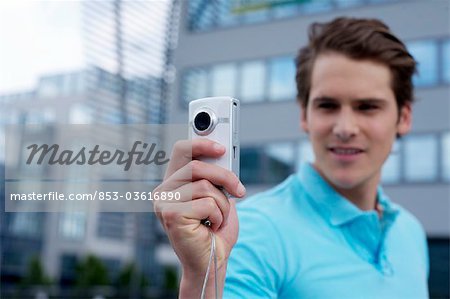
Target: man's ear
(405,119)
(303,122)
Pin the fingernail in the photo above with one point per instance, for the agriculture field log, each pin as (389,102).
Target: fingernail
(218,147)
(240,189)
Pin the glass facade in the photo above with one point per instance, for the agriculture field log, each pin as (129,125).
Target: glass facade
(253,81)
(25,224)
(124,77)
(68,269)
(204,15)
(426,54)
(273,79)
(224,79)
(305,153)
(421,158)
(251,171)
(225,15)
(445,156)
(313,7)
(439,278)
(81,114)
(72,225)
(446,61)
(267,164)
(195,84)
(111,225)
(282,79)
(273,163)
(390,173)
(250,81)
(286,10)
(255,16)
(280,161)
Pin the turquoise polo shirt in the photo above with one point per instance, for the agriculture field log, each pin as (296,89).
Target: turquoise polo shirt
(302,239)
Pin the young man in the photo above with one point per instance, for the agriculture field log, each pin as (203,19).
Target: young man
(328,231)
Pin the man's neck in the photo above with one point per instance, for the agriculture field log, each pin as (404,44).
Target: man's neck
(364,196)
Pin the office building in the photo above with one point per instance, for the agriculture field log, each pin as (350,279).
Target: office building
(246,49)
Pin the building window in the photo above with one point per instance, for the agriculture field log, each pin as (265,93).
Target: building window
(43,116)
(311,7)
(224,79)
(72,225)
(195,84)
(253,81)
(348,3)
(267,165)
(446,61)
(80,114)
(282,79)
(305,153)
(421,158)
(446,156)
(285,10)
(210,14)
(256,16)
(258,80)
(201,14)
(280,161)
(111,225)
(425,53)
(439,280)
(26,224)
(391,169)
(226,15)
(68,271)
(112,267)
(50,87)
(252,169)
(2,143)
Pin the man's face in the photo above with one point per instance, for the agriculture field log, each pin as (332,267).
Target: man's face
(352,119)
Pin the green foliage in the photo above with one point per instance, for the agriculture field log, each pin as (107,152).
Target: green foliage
(127,274)
(35,274)
(170,278)
(91,272)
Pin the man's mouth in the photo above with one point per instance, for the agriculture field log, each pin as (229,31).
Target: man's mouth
(345,151)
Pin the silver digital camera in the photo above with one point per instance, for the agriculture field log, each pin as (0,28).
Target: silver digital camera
(217,119)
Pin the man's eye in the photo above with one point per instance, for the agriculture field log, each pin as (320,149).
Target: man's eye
(368,107)
(327,106)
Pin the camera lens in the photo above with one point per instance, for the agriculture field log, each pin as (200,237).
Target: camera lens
(202,121)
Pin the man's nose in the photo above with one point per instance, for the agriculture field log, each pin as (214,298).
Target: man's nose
(346,125)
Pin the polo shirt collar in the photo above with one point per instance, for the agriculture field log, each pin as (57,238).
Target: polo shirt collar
(335,208)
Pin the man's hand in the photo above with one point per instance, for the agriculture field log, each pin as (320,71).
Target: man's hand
(197,183)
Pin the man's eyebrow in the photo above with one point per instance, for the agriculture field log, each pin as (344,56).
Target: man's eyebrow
(371,100)
(365,100)
(323,99)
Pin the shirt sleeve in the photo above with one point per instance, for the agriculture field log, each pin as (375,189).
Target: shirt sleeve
(255,266)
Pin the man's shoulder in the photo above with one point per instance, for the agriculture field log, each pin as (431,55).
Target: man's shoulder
(274,194)
(278,196)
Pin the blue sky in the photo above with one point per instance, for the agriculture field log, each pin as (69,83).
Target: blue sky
(45,37)
(38,37)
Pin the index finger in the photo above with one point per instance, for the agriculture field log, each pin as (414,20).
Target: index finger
(185,151)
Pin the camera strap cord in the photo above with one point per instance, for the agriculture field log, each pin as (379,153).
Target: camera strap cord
(212,255)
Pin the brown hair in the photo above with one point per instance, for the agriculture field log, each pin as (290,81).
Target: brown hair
(357,39)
